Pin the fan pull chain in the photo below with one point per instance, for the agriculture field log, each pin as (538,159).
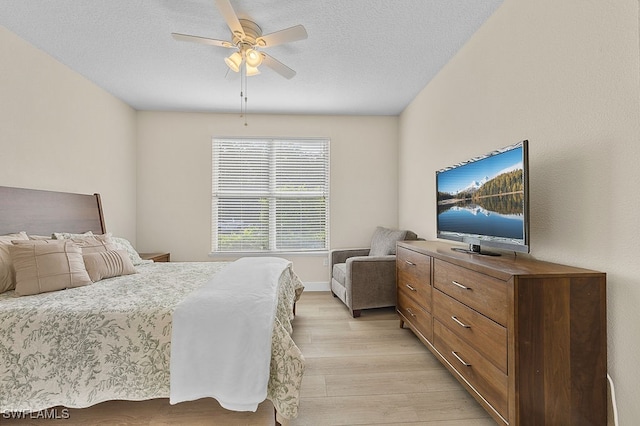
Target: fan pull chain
(245,97)
(241,90)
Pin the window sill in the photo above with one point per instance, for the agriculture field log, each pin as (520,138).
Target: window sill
(227,254)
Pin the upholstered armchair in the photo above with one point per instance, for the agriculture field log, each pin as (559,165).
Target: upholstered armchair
(365,278)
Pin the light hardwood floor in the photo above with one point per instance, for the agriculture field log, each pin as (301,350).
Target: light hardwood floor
(367,371)
(362,371)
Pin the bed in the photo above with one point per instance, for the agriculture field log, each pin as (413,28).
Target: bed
(112,339)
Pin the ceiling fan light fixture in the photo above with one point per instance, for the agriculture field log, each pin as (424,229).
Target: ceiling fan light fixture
(234,61)
(253,57)
(252,70)
(246,39)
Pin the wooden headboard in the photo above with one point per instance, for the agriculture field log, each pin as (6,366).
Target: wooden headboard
(43,212)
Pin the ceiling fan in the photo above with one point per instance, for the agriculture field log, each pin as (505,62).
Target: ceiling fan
(247,40)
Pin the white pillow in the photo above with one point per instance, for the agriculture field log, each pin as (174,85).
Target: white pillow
(124,244)
(67,235)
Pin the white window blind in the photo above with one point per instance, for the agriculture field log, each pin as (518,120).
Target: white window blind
(270,195)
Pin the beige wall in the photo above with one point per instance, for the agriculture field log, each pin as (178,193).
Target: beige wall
(174,178)
(60,132)
(564,75)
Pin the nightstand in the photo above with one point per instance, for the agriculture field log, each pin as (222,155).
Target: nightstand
(156,257)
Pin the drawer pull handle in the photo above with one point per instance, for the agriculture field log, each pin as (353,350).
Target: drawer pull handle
(463,362)
(410,263)
(456,283)
(411,313)
(410,288)
(460,323)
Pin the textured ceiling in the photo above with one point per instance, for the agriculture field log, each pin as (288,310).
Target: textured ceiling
(361,57)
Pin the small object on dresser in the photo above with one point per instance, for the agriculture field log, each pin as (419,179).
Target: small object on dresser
(156,257)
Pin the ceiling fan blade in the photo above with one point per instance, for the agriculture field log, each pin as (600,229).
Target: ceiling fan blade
(229,15)
(283,36)
(277,66)
(202,40)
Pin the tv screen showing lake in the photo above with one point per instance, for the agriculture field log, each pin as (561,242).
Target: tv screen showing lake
(484,197)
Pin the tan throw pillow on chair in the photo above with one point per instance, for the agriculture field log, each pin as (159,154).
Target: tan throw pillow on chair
(47,265)
(384,241)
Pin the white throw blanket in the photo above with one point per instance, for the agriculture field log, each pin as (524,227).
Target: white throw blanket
(221,336)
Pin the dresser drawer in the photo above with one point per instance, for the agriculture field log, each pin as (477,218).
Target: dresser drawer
(486,336)
(485,377)
(483,293)
(415,314)
(414,275)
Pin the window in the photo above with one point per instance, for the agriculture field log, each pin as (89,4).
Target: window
(270,195)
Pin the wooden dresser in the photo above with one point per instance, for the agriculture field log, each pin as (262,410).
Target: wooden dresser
(526,338)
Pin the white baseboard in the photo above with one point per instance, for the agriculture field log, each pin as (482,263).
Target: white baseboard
(317,286)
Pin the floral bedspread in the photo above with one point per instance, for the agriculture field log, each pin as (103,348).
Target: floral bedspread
(112,340)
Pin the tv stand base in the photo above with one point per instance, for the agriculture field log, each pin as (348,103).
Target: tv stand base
(475,249)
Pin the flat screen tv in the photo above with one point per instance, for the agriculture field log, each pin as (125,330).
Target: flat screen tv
(485,201)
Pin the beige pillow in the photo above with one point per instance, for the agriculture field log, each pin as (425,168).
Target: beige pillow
(7,274)
(47,265)
(94,243)
(107,264)
(40,237)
